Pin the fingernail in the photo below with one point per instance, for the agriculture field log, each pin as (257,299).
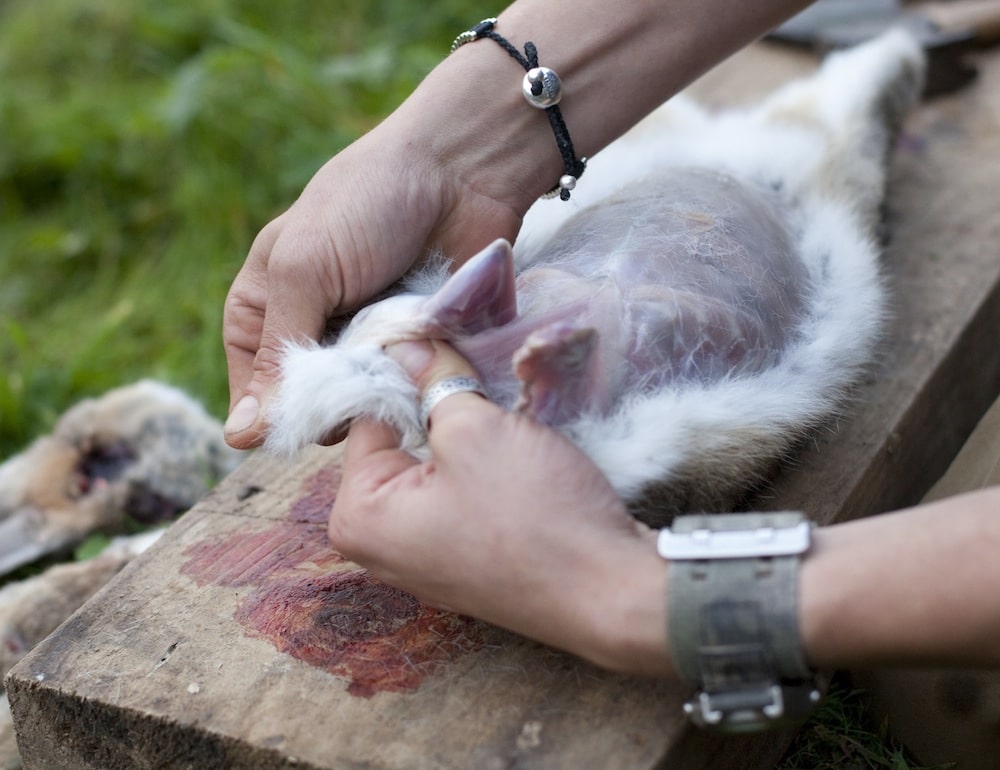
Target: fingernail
(243,416)
(413,356)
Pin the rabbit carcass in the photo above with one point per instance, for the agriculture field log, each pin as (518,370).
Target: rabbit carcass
(710,293)
(140,453)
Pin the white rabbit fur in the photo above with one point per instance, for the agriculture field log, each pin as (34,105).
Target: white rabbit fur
(822,145)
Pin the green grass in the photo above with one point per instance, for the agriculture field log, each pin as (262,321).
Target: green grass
(143,145)
(838,736)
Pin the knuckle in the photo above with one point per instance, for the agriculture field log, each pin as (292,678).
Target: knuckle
(262,244)
(456,427)
(268,361)
(341,534)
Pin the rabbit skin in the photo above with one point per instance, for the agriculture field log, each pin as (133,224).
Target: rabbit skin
(709,295)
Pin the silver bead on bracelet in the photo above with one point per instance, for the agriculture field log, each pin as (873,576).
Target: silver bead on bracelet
(542,89)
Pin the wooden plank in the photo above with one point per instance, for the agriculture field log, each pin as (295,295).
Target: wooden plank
(939,368)
(242,641)
(224,631)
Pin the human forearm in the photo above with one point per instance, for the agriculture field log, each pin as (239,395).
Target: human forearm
(617,63)
(913,587)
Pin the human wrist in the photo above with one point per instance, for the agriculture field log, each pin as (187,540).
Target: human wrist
(469,120)
(615,68)
(486,134)
(628,609)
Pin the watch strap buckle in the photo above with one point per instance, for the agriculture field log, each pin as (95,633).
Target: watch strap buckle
(753,706)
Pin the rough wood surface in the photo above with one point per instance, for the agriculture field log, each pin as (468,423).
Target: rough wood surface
(939,368)
(242,641)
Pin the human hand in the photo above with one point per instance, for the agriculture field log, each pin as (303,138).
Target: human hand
(364,218)
(508,522)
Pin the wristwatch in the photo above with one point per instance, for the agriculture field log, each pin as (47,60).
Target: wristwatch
(732,609)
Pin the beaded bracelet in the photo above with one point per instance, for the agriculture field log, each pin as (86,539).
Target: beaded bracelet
(541,88)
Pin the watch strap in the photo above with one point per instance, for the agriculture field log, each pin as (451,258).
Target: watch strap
(733,616)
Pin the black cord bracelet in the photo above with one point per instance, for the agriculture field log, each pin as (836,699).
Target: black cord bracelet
(542,89)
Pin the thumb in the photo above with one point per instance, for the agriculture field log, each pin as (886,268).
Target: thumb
(246,424)
(292,314)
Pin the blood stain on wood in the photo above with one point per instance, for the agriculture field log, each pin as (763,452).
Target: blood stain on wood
(311,603)
(321,490)
(350,624)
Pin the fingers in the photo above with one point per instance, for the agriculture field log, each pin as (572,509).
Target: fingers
(429,362)
(372,456)
(281,298)
(243,313)
(244,317)
(366,438)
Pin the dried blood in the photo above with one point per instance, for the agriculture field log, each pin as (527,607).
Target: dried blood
(311,603)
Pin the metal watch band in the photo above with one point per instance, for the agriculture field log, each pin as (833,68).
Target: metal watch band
(733,617)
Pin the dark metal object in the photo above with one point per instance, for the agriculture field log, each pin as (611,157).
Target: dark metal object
(946,30)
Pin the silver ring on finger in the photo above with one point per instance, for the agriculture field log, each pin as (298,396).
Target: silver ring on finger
(440,390)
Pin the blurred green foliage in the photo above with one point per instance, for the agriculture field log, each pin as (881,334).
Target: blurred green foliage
(142,146)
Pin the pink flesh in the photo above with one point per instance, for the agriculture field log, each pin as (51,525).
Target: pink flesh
(689,277)
(693,278)
(560,372)
(481,295)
